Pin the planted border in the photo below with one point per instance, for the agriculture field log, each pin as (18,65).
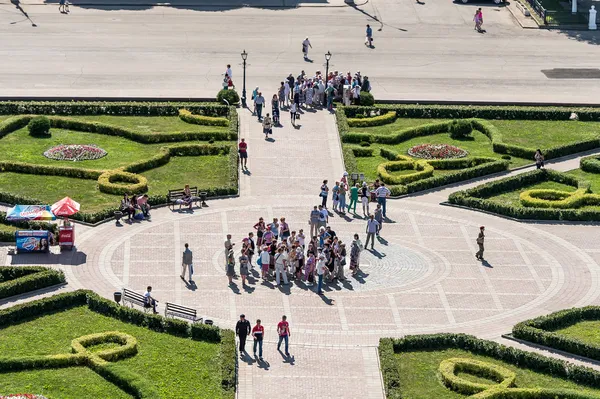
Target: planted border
(389,347)
(114,373)
(22,279)
(477,197)
(540,330)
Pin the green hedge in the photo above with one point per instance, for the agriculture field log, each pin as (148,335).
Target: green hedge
(479,111)
(477,197)
(362,152)
(119,182)
(540,330)
(22,279)
(228,364)
(449,368)
(379,120)
(590,164)
(388,347)
(188,117)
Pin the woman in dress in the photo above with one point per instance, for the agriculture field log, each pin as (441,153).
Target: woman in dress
(355,255)
(275,109)
(260,229)
(267,126)
(230,270)
(309,95)
(244,265)
(309,268)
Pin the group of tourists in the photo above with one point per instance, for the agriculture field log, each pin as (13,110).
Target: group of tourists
(135,207)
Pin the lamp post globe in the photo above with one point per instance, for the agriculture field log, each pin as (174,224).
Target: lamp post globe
(244,57)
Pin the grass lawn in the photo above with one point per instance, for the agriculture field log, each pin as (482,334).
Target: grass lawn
(545,134)
(178,367)
(586,331)
(396,126)
(419,376)
(150,124)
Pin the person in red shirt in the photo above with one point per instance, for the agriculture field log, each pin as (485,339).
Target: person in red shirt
(243,151)
(258,332)
(283,329)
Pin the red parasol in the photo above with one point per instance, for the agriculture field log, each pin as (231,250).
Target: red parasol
(65,207)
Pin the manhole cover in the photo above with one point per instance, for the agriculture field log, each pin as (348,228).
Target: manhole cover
(572,73)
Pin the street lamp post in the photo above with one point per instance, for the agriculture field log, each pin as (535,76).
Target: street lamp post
(327,58)
(244,56)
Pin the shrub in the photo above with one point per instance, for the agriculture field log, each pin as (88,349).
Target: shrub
(590,164)
(119,182)
(19,280)
(361,121)
(366,99)
(450,367)
(389,368)
(39,126)
(188,117)
(507,157)
(231,96)
(228,363)
(362,152)
(422,170)
(365,144)
(460,128)
(205,332)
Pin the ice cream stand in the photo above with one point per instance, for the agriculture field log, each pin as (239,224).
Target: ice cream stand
(31,240)
(66,231)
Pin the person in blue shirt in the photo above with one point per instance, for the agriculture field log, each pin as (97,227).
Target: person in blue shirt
(369,41)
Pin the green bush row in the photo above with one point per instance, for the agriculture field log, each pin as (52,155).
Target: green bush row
(449,368)
(188,117)
(362,152)
(477,197)
(134,108)
(388,347)
(590,164)
(379,120)
(479,111)
(402,135)
(533,393)
(119,182)
(558,199)
(22,279)
(540,330)
(228,364)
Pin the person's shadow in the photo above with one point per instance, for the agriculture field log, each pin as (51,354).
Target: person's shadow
(191,285)
(485,263)
(287,359)
(234,288)
(263,364)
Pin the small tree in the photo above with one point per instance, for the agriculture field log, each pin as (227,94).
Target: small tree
(231,96)
(366,99)
(39,126)
(460,128)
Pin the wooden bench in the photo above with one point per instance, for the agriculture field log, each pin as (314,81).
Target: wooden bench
(174,310)
(175,195)
(135,299)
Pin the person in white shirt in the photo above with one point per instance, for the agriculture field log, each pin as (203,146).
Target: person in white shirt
(356,94)
(372,228)
(382,193)
(149,301)
(305,45)
(280,262)
(265,259)
(301,237)
(228,72)
(321,267)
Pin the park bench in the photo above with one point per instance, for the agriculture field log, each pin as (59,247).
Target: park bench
(183,312)
(135,299)
(175,195)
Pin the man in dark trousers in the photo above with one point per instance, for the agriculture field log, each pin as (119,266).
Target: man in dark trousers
(242,330)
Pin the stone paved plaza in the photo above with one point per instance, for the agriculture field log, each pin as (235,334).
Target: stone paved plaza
(422,277)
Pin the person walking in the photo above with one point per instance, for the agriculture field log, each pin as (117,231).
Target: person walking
(283,329)
(379,218)
(275,109)
(305,45)
(243,152)
(369,38)
(480,239)
(355,251)
(258,333)
(364,198)
(228,71)
(314,221)
(242,330)
(372,226)
(293,113)
(267,125)
(186,263)
(478,18)
(259,101)
(230,268)
(330,93)
(244,262)
(336,196)
(539,159)
(353,198)
(254,95)
(382,194)
(281,260)
(324,193)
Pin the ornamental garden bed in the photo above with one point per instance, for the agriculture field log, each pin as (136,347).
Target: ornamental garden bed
(541,194)
(22,279)
(133,148)
(79,345)
(448,366)
(506,137)
(575,330)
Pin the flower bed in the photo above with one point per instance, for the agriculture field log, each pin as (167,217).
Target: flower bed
(436,151)
(75,152)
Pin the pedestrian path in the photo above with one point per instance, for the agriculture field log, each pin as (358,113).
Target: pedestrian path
(421,278)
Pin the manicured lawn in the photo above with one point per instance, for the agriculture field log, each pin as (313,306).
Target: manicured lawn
(512,197)
(419,376)
(150,124)
(593,178)
(177,367)
(393,128)
(586,331)
(545,134)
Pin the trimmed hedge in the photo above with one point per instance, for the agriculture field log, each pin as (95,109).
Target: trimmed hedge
(22,279)
(422,170)
(119,182)
(533,393)
(590,164)
(460,128)
(379,120)
(39,127)
(362,152)
(188,117)
(232,96)
(388,347)
(558,199)
(540,330)
(116,373)
(477,197)
(450,367)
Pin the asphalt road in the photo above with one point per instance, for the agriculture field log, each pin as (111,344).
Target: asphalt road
(422,51)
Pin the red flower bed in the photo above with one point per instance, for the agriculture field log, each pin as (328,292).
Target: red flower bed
(75,152)
(436,151)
